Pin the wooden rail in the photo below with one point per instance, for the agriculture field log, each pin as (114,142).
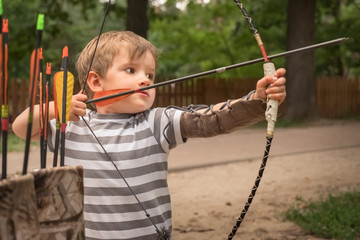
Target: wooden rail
(336,97)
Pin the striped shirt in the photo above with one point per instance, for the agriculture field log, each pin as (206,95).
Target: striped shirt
(138,145)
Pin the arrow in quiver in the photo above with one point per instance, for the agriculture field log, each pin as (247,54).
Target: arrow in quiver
(64,87)
(43,204)
(59,85)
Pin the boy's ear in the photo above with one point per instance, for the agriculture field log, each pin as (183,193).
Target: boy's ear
(94,82)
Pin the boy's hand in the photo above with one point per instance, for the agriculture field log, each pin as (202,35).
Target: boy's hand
(78,107)
(274,87)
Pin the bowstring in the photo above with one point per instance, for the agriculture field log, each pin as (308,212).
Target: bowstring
(96,45)
(161,237)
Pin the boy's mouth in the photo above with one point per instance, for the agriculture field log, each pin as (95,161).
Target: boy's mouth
(144,92)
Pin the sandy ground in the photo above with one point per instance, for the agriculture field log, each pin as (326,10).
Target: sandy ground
(210,179)
(305,162)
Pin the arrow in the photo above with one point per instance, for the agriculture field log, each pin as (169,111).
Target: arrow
(57,133)
(64,90)
(46,114)
(4,106)
(34,72)
(41,109)
(121,92)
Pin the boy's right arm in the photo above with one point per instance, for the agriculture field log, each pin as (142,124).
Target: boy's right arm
(19,127)
(20,124)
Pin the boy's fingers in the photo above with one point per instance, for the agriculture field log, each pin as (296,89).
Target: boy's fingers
(265,82)
(80,112)
(277,96)
(278,82)
(275,89)
(79,104)
(280,72)
(81,97)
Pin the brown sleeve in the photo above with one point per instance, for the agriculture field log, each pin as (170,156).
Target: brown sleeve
(242,113)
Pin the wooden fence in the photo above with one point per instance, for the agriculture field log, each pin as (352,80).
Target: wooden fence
(336,97)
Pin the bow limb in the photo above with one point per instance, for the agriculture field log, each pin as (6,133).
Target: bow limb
(270,114)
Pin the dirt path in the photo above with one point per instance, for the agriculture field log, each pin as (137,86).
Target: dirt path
(210,179)
(304,163)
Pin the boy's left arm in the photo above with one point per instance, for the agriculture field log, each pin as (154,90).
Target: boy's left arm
(225,117)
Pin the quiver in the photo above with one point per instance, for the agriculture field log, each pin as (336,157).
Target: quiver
(43,204)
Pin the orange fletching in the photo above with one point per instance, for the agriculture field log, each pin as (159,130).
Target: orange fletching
(107,93)
(55,98)
(33,81)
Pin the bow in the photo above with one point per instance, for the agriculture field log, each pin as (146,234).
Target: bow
(270,114)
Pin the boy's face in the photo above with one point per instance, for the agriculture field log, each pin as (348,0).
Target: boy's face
(130,74)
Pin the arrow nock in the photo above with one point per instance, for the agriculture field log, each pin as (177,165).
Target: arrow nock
(48,68)
(5,26)
(40,53)
(40,22)
(65,52)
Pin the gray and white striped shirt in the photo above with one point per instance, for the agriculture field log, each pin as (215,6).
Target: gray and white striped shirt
(139,145)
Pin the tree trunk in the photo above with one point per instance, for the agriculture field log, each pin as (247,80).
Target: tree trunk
(301,81)
(137,20)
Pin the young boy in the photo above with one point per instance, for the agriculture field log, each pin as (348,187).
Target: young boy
(136,139)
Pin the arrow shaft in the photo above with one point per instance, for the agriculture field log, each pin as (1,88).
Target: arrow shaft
(221,69)
(63,107)
(33,77)
(4,107)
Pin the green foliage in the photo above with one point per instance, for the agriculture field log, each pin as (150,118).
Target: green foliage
(336,19)
(208,36)
(199,38)
(70,23)
(335,217)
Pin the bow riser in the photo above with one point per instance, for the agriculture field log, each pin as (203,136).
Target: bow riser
(272,105)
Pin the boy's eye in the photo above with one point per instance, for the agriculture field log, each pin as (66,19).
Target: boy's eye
(130,70)
(150,76)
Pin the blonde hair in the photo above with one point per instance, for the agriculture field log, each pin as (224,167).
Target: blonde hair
(108,47)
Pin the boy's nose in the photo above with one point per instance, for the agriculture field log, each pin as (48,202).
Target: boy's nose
(144,81)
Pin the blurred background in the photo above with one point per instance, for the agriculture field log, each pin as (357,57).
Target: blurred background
(199,35)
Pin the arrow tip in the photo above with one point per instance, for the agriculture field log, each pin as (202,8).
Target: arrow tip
(40,22)
(65,52)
